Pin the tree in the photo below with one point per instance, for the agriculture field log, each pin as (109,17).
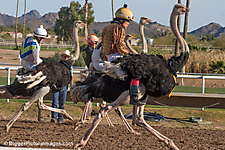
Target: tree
(218,67)
(67,16)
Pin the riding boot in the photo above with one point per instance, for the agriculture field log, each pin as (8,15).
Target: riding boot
(134,85)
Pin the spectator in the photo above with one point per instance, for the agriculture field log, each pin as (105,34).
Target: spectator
(60,97)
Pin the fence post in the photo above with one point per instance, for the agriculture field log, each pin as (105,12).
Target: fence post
(203,85)
(8,79)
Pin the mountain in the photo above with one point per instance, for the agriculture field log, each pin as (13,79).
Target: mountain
(212,29)
(34,19)
(6,20)
(32,14)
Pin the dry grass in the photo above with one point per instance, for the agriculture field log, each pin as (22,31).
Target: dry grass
(198,61)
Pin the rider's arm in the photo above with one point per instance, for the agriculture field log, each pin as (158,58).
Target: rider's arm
(36,55)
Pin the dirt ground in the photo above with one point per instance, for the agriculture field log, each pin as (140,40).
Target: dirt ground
(27,132)
(30,133)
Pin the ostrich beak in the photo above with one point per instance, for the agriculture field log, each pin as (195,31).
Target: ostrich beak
(132,37)
(149,20)
(185,9)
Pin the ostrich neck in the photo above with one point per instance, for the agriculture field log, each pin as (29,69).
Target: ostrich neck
(77,47)
(129,46)
(174,28)
(144,44)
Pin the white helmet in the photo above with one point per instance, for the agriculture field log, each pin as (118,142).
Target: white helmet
(66,52)
(40,32)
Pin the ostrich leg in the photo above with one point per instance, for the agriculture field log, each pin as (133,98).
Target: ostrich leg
(140,121)
(121,100)
(41,105)
(103,104)
(130,129)
(39,94)
(87,109)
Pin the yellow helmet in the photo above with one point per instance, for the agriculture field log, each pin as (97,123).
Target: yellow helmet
(124,13)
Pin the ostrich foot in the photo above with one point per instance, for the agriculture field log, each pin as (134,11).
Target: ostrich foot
(161,137)
(66,116)
(77,124)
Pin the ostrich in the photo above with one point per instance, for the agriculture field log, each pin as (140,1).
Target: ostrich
(39,82)
(127,38)
(157,76)
(93,78)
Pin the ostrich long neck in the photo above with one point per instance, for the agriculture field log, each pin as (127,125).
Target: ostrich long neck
(77,47)
(144,44)
(174,28)
(129,46)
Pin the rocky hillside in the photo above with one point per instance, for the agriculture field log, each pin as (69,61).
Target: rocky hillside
(150,29)
(212,29)
(34,19)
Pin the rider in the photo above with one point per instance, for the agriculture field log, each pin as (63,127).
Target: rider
(113,45)
(29,52)
(113,35)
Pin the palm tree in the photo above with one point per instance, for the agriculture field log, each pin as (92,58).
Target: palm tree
(16,24)
(24,19)
(85,19)
(218,67)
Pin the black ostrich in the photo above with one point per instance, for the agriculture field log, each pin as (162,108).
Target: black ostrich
(96,74)
(157,78)
(48,75)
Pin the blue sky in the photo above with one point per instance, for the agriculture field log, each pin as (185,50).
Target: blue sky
(202,12)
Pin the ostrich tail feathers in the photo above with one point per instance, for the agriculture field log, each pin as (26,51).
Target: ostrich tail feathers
(79,93)
(176,63)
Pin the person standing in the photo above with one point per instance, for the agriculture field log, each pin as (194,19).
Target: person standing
(60,96)
(30,50)
(92,41)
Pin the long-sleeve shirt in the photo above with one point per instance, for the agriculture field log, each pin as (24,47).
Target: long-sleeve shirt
(113,37)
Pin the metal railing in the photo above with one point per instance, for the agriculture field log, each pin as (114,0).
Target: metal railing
(203,76)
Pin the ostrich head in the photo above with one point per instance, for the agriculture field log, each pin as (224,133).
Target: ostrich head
(79,24)
(145,20)
(129,36)
(179,9)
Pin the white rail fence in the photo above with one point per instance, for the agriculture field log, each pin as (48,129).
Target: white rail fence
(14,67)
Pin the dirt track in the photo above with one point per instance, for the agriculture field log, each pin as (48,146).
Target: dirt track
(109,137)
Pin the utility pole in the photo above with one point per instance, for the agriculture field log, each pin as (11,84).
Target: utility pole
(24,18)
(112,10)
(17,7)
(85,19)
(177,45)
(185,29)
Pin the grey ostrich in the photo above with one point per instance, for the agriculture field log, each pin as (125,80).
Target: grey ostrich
(157,78)
(40,82)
